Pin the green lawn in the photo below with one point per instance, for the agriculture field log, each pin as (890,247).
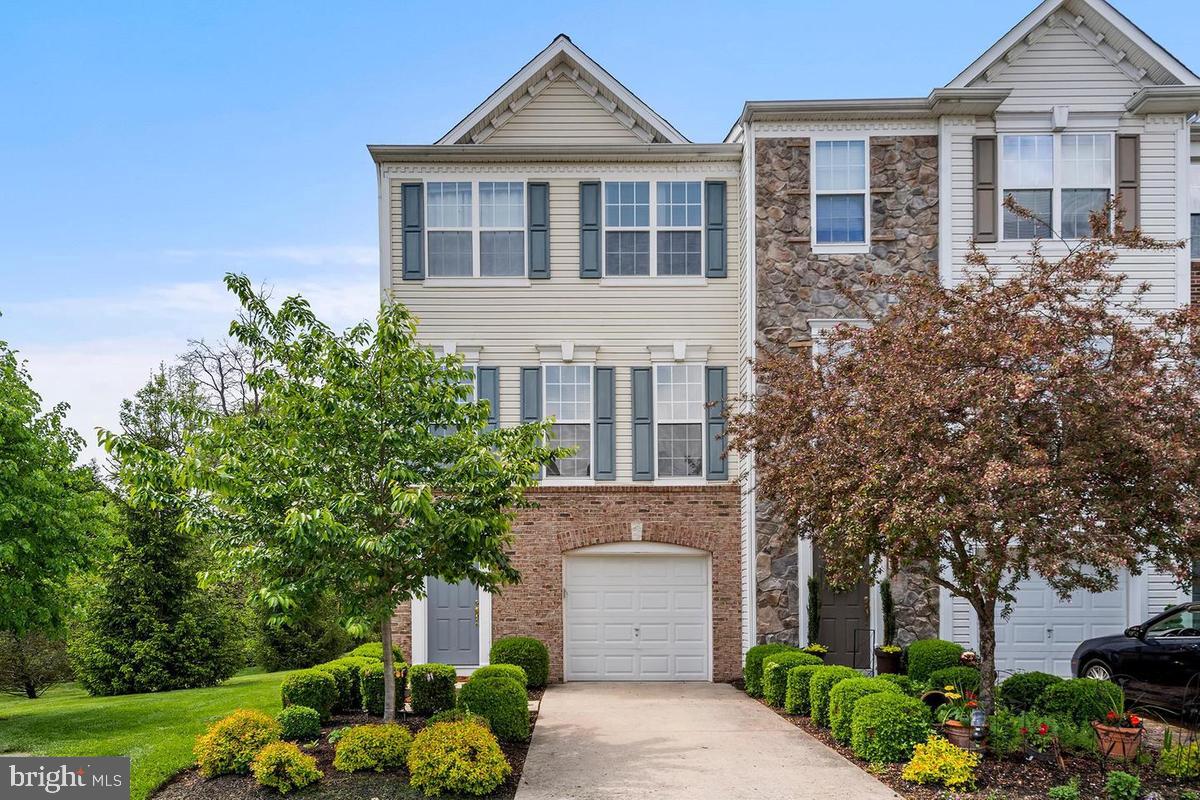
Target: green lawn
(156,730)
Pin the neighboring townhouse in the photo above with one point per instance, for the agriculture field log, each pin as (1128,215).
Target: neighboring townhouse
(1073,106)
(592,265)
(582,256)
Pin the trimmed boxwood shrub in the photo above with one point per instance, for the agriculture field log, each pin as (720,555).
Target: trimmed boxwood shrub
(795,700)
(1019,692)
(456,758)
(356,664)
(752,669)
(231,743)
(527,653)
(374,747)
(927,656)
(819,686)
(281,766)
(843,697)
(371,686)
(458,715)
(775,672)
(1080,699)
(502,671)
(300,723)
(431,688)
(885,727)
(502,701)
(312,688)
(343,677)
(904,682)
(375,650)
(965,678)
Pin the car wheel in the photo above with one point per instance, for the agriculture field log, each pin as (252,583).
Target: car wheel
(1097,670)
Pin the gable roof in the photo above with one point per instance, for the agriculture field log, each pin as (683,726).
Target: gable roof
(1110,31)
(562,58)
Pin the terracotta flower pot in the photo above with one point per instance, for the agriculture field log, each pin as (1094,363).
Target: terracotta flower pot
(887,663)
(1118,743)
(957,734)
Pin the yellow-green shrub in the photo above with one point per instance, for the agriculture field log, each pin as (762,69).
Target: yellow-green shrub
(281,766)
(938,761)
(456,758)
(843,697)
(376,747)
(231,743)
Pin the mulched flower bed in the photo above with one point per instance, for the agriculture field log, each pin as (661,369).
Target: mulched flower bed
(336,785)
(1007,779)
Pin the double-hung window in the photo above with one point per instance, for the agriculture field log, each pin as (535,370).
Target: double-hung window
(502,229)
(1196,238)
(840,186)
(448,214)
(678,228)
(679,418)
(569,401)
(1060,179)
(627,228)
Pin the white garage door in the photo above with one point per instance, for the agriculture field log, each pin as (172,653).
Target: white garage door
(637,618)
(1044,630)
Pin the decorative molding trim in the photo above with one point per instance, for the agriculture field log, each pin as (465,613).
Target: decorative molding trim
(881,127)
(567,353)
(582,169)
(677,351)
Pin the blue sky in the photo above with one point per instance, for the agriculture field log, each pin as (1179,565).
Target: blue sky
(149,148)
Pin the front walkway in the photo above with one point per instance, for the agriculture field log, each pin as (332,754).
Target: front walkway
(678,740)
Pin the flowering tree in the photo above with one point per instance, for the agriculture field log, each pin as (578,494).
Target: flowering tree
(1040,419)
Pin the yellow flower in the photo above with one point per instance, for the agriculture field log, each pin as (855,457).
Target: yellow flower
(948,688)
(953,696)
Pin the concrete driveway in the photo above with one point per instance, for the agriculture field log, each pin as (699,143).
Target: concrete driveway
(678,740)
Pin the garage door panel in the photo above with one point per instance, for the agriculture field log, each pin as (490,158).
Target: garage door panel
(642,618)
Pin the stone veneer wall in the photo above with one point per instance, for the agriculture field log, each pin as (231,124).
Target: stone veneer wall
(704,517)
(796,285)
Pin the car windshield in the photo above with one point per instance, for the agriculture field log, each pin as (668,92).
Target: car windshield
(1185,622)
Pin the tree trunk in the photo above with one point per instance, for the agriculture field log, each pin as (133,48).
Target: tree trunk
(986,611)
(389,674)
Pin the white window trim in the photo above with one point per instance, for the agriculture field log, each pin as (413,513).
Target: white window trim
(652,230)
(819,330)
(477,278)
(839,247)
(557,480)
(1056,188)
(682,480)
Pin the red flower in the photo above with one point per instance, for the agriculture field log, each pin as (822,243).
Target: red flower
(1112,715)
(1043,729)
(1135,720)
(972,704)
(1024,731)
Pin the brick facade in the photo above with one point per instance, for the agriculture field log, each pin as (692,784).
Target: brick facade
(703,517)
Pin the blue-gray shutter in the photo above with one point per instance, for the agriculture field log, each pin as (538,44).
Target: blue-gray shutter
(412,224)
(531,394)
(589,229)
(605,412)
(539,231)
(643,424)
(488,382)
(716,467)
(1128,180)
(715,235)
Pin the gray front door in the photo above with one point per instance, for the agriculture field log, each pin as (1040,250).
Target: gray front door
(453,622)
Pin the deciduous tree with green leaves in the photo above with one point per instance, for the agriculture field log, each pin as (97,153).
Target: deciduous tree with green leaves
(367,468)
(1040,419)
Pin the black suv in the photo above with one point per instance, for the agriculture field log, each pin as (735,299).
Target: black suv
(1158,662)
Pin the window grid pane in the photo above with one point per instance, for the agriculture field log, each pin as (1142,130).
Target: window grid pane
(679,252)
(1078,205)
(501,204)
(680,450)
(627,204)
(448,204)
(449,254)
(569,393)
(841,218)
(679,204)
(502,253)
(679,392)
(840,166)
(1036,202)
(1029,162)
(578,464)
(1196,237)
(1087,160)
(627,252)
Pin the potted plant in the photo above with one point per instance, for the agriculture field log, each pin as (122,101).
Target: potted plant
(955,716)
(817,649)
(1119,734)
(887,656)
(1041,742)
